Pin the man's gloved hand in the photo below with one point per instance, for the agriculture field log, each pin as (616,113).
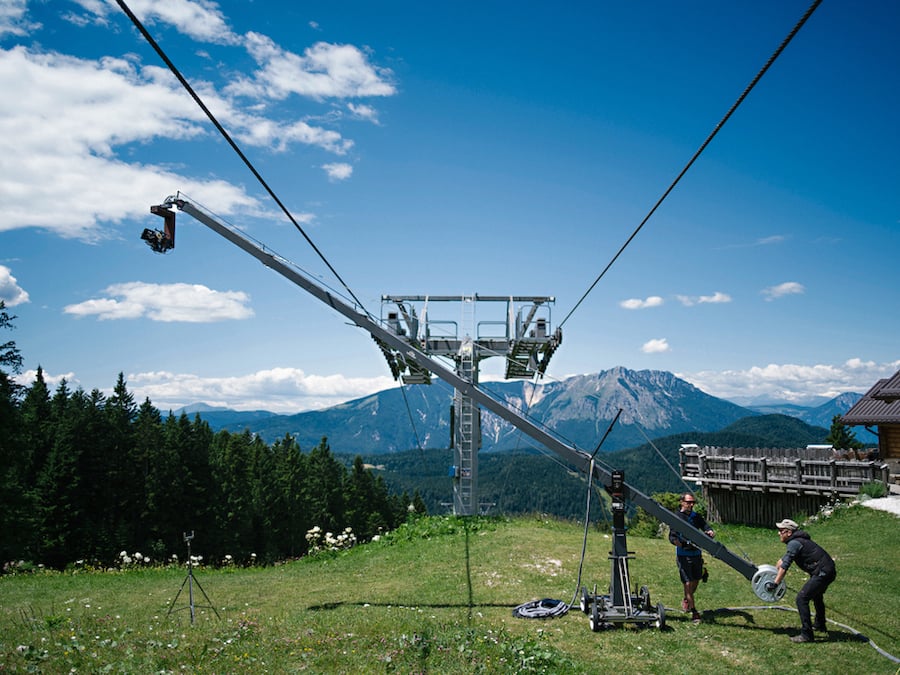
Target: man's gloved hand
(771,587)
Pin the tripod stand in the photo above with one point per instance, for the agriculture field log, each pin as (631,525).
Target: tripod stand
(190,581)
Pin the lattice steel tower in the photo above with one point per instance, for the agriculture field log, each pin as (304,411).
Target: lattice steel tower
(522,337)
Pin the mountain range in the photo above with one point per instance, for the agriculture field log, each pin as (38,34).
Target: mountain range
(580,409)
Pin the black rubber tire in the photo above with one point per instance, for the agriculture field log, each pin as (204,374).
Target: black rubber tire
(661,616)
(595,622)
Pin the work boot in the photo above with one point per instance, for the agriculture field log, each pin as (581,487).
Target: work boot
(802,638)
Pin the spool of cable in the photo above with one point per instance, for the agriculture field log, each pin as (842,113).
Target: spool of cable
(765,574)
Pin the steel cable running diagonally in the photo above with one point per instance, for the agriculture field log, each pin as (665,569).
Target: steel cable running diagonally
(697,154)
(234,146)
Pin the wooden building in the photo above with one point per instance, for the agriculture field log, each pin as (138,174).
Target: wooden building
(760,486)
(879,412)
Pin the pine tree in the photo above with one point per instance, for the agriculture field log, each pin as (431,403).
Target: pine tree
(13,461)
(157,463)
(10,357)
(13,478)
(125,483)
(324,489)
(37,426)
(234,456)
(361,503)
(841,437)
(62,509)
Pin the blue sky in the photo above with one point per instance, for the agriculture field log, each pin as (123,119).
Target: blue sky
(459,148)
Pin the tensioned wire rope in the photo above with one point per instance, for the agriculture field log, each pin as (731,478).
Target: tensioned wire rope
(697,154)
(681,174)
(234,146)
(199,101)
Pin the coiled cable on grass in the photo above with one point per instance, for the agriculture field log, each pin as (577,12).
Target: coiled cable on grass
(541,609)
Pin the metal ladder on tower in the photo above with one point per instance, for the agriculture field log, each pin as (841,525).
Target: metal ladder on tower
(466,502)
(468,430)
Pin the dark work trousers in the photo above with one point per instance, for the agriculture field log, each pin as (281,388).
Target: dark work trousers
(813,589)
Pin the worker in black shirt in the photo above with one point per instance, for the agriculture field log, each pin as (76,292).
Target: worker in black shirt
(815,561)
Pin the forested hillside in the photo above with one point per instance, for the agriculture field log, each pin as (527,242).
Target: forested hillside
(525,482)
(85,477)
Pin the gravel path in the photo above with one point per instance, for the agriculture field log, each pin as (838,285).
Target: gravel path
(889,504)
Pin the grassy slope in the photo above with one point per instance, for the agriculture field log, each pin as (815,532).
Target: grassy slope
(407,606)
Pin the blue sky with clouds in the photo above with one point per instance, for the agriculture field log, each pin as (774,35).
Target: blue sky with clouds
(494,148)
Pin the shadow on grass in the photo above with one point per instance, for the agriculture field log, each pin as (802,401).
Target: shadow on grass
(722,616)
(458,605)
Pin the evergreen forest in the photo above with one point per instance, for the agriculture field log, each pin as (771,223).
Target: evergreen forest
(85,477)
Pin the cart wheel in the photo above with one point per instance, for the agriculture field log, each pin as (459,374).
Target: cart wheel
(645,599)
(585,600)
(595,617)
(661,616)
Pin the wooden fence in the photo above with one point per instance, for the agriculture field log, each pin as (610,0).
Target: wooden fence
(773,484)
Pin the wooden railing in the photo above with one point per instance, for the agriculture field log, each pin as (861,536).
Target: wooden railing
(784,473)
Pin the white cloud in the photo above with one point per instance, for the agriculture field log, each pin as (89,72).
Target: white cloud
(787,288)
(774,239)
(656,346)
(198,19)
(281,390)
(323,71)
(10,291)
(88,108)
(716,298)
(26,379)
(190,303)
(338,171)
(301,132)
(13,19)
(791,382)
(278,390)
(637,303)
(762,241)
(363,112)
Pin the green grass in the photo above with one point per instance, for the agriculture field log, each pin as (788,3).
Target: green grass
(407,605)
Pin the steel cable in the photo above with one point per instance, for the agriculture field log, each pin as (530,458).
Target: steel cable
(212,118)
(697,154)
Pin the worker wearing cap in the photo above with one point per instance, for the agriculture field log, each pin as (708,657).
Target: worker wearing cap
(815,561)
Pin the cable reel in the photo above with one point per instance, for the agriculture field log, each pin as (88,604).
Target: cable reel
(764,575)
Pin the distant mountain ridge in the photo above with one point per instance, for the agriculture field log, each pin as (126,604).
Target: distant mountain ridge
(580,409)
(220,418)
